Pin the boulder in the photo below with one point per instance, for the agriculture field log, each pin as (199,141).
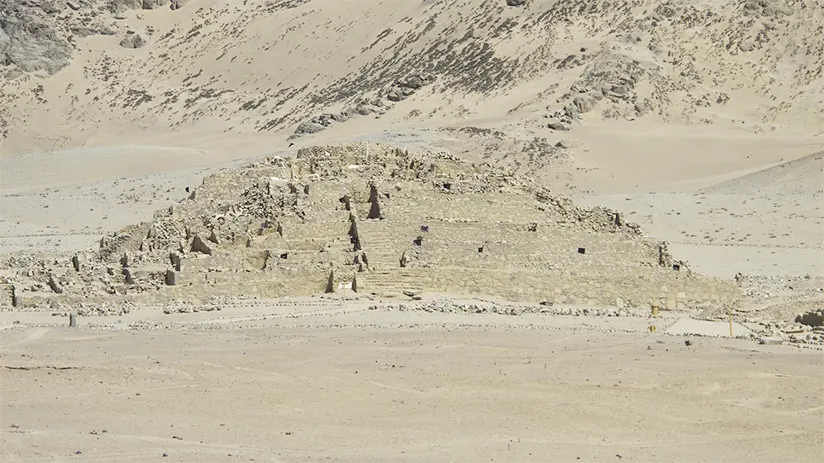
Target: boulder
(325,119)
(309,127)
(414,81)
(364,110)
(584,103)
(642,108)
(395,94)
(32,44)
(119,6)
(746,46)
(572,112)
(154,4)
(133,40)
(201,245)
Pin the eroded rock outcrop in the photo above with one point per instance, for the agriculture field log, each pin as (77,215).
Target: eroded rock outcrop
(31,39)
(398,91)
(39,35)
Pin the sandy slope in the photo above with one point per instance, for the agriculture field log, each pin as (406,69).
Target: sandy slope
(244,75)
(768,222)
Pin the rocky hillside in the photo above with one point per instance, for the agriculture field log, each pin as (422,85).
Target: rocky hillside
(112,71)
(40,35)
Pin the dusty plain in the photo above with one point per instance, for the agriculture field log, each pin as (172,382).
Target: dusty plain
(404,386)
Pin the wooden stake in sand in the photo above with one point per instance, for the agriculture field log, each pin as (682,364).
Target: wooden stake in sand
(654,310)
(72,320)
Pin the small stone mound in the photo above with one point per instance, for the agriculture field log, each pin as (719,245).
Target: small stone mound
(133,40)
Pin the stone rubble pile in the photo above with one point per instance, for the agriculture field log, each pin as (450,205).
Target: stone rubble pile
(449,306)
(780,332)
(609,80)
(363,107)
(398,91)
(763,289)
(805,329)
(403,88)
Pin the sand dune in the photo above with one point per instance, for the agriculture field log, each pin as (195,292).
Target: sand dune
(803,176)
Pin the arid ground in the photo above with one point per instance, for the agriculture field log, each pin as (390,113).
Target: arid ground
(377,385)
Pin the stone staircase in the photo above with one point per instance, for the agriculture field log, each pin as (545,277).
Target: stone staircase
(383,248)
(331,232)
(393,282)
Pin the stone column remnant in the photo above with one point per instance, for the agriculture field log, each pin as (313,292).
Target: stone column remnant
(171,277)
(175,260)
(330,284)
(374,200)
(54,285)
(200,245)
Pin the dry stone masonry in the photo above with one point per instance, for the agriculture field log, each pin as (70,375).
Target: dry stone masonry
(380,221)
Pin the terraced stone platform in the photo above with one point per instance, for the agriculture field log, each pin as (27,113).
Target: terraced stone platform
(384,223)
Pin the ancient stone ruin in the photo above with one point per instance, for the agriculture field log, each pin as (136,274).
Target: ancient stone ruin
(382,222)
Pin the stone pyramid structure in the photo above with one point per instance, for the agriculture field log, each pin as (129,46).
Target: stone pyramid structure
(378,221)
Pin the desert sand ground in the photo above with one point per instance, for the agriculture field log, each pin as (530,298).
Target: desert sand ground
(734,187)
(377,385)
